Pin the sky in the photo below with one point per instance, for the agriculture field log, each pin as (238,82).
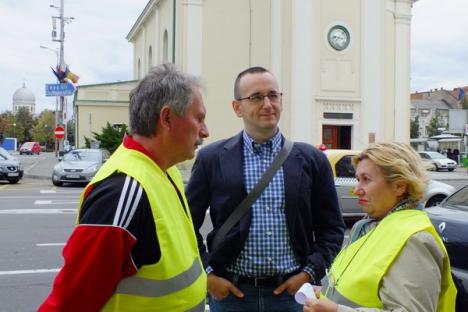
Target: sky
(96,48)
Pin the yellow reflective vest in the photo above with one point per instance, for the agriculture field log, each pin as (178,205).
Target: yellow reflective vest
(357,272)
(177,282)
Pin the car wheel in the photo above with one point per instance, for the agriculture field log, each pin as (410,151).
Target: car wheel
(57,183)
(13,181)
(435,200)
(451,169)
(436,168)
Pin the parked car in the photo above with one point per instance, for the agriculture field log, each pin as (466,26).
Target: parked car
(78,166)
(438,160)
(345,182)
(10,167)
(30,148)
(450,218)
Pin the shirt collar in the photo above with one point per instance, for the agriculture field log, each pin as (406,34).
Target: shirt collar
(130,143)
(274,143)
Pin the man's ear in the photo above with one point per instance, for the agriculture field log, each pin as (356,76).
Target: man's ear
(165,116)
(236,107)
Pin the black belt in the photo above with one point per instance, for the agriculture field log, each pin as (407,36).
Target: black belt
(260,281)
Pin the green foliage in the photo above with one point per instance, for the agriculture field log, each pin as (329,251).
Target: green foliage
(110,138)
(464,103)
(71,132)
(43,131)
(414,128)
(24,123)
(435,123)
(87,142)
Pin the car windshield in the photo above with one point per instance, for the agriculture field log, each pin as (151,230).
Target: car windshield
(437,156)
(81,155)
(4,155)
(459,199)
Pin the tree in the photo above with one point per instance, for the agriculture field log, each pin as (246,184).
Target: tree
(24,121)
(435,123)
(6,124)
(71,131)
(464,103)
(110,138)
(414,128)
(43,131)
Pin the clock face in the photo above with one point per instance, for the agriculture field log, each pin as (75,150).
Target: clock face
(338,37)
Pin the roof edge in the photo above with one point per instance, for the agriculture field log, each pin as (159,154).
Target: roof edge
(141,19)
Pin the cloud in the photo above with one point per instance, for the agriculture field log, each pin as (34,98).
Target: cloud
(95,45)
(439,45)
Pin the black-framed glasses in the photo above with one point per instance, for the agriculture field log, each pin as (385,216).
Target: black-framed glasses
(256,98)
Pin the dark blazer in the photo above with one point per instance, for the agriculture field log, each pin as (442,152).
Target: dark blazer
(314,220)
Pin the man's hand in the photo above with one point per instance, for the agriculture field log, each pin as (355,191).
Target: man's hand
(219,288)
(293,283)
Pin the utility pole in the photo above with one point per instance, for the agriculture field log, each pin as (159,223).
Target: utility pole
(61,38)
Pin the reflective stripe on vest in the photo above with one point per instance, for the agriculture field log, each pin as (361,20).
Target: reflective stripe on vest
(334,295)
(138,286)
(199,307)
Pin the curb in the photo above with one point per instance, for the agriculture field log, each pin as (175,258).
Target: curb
(35,177)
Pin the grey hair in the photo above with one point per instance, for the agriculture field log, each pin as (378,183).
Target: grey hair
(164,85)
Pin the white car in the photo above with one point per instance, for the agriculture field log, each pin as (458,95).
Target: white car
(438,160)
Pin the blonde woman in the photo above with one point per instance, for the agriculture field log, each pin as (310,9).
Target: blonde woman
(394,259)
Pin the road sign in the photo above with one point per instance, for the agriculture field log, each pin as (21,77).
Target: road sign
(59,132)
(59,89)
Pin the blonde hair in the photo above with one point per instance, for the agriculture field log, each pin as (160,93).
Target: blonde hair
(398,162)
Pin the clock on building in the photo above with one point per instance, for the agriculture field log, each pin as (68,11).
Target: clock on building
(338,37)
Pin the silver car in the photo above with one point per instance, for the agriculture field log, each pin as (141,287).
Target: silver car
(78,166)
(345,182)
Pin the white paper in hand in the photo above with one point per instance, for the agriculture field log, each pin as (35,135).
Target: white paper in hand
(305,292)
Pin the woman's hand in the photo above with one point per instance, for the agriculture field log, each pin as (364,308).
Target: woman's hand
(320,305)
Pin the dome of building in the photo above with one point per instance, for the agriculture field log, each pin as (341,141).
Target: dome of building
(23,94)
(23,97)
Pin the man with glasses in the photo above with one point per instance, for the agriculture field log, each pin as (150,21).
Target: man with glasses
(292,231)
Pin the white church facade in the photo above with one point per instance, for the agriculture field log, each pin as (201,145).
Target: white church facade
(343,65)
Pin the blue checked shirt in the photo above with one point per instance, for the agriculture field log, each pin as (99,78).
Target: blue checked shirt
(267,250)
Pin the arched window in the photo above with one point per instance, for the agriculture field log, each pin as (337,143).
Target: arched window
(165,47)
(150,58)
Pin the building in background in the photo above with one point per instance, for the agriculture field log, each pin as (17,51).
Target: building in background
(343,65)
(95,105)
(23,97)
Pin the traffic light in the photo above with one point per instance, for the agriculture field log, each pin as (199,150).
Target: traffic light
(1,137)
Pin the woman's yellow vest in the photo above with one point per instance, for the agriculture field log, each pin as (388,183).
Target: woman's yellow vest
(358,270)
(177,282)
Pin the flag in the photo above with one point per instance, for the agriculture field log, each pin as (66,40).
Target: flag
(461,94)
(71,76)
(60,74)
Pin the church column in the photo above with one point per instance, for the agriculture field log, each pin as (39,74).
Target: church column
(302,102)
(402,69)
(193,36)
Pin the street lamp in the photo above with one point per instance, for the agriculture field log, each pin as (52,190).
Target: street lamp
(53,50)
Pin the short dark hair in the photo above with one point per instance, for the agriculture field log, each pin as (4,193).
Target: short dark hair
(163,85)
(250,70)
